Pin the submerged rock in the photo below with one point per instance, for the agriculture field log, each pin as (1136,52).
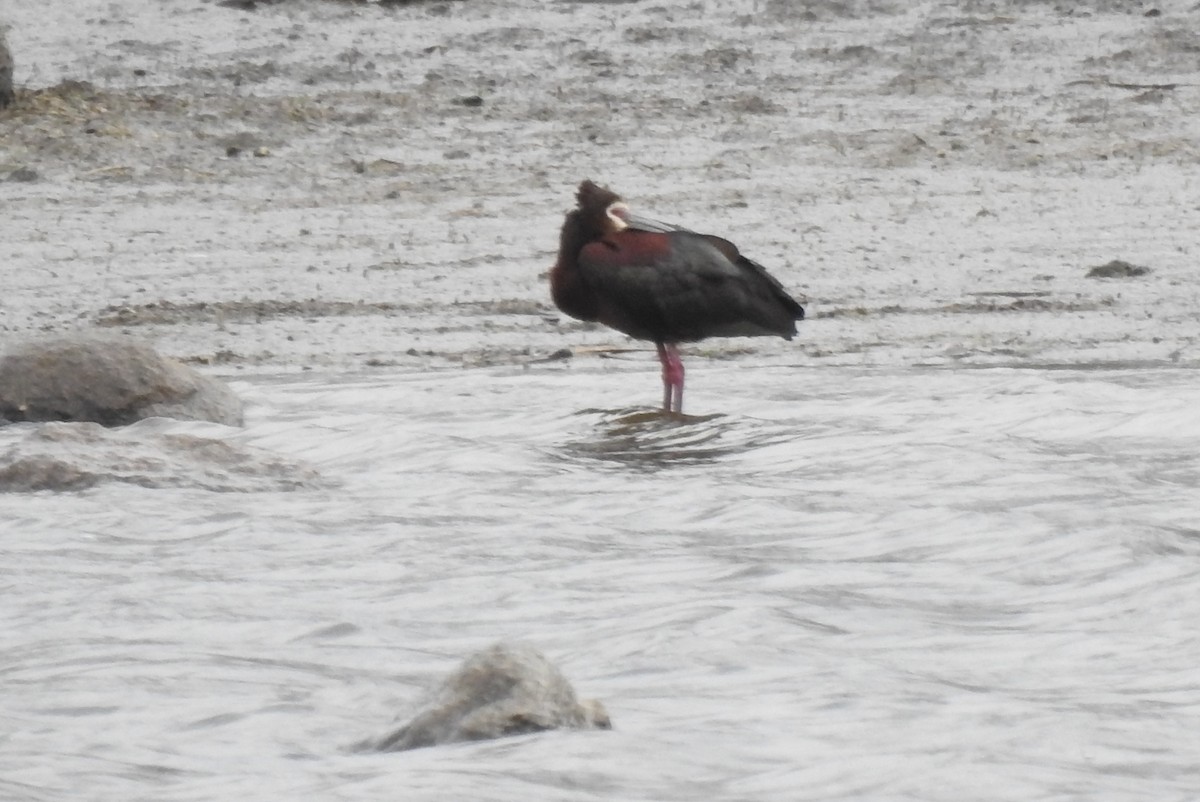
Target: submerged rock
(6,73)
(507,689)
(65,457)
(25,474)
(107,381)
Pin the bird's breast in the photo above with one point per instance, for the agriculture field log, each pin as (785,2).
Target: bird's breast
(569,292)
(629,248)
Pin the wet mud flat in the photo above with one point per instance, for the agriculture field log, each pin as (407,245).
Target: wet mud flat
(344,186)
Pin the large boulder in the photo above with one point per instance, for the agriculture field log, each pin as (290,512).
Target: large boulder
(506,689)
(6,73)
(107,381)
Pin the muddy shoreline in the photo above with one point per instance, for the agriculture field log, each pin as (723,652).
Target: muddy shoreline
(353,186)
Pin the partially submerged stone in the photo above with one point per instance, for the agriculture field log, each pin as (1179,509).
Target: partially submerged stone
(65,457)
(107,381)
(507,689)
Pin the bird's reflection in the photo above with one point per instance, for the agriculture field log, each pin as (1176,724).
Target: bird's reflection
(653,438)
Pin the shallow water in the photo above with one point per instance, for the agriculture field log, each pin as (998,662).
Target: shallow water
(828,583)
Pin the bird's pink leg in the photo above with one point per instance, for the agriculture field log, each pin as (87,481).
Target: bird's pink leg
(672,375)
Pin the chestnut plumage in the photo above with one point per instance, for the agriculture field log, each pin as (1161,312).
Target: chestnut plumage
(662,283)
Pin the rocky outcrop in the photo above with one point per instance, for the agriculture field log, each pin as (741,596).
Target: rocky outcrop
(507,689)
(107,381)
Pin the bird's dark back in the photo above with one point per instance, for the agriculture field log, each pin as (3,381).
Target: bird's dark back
(694,287)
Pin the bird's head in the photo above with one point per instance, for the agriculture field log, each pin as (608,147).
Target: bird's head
(601,209)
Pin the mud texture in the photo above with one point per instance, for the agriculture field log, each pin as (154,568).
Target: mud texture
(343,186)
(1117,268)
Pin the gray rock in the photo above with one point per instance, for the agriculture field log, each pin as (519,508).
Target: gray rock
(1117,268)
(507,689)
(6,73)
(107,381)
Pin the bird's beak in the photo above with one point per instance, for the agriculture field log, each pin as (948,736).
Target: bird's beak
(646,224)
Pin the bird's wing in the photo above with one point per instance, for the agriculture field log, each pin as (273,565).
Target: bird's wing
(682,286)
(753,268)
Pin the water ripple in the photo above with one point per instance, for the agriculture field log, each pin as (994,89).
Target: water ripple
(927,584)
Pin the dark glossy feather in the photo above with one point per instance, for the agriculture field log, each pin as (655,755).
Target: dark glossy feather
(682,287)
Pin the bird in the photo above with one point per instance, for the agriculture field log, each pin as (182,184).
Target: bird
(659,282)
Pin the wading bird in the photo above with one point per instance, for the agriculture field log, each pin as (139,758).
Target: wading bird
(662,283)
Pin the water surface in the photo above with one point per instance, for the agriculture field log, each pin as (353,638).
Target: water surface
(826,583)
